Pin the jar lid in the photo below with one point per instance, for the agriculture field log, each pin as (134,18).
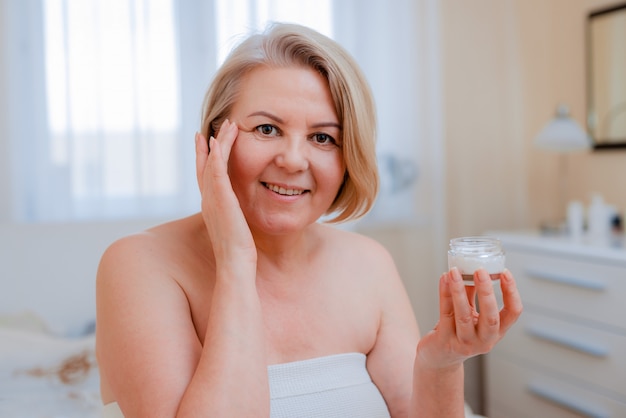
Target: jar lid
(475,245)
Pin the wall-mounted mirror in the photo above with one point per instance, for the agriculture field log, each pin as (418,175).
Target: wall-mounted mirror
(606,77)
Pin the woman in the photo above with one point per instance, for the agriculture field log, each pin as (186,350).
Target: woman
(251,307)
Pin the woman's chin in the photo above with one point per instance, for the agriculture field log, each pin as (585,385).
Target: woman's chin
(281,224)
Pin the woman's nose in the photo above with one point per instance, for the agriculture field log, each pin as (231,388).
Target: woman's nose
(293,155)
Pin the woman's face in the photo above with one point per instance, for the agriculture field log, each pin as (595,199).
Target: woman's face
(286,165)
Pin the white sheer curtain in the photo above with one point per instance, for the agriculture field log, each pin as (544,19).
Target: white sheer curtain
(103,97)
(100,130)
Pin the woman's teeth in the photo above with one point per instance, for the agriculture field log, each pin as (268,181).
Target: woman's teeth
(283,191)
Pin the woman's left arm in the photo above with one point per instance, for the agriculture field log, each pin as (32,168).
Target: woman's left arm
(428,382)
(461,333)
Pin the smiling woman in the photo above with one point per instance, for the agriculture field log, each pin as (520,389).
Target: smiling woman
(254,308)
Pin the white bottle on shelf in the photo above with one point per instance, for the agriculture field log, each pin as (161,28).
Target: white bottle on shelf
(598,221)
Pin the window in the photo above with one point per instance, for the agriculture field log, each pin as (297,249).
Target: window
(112,96)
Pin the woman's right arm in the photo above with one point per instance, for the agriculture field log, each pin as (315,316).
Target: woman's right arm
(149,352)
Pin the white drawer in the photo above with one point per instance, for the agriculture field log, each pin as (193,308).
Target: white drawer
(521,392)
(579,352)
(581,289)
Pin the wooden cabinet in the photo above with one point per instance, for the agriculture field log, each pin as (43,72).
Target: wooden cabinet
(566,356)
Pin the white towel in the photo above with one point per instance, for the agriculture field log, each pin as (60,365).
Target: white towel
(333,386)
(328,387)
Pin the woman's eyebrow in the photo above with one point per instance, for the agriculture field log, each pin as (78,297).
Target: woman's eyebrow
(327,125)
(267,115)
(279,120)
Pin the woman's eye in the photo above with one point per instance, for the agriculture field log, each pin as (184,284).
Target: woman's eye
(267,130)
(324,139)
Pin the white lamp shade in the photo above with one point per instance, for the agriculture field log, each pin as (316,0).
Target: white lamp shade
(563,134)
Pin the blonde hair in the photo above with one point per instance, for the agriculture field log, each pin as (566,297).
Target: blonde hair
(284,45)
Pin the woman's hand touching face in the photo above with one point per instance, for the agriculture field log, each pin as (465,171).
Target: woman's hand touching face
(227,227)
(463,332)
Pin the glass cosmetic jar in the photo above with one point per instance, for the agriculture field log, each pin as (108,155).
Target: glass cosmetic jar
(469,254)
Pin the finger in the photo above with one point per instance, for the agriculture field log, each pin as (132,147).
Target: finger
(463,312)
(211,170)
(216,165)
(446,307)
(511,299)
(489,318)
(202,154)
(226,137)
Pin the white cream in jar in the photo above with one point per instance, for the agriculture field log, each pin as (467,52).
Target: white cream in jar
(469,254)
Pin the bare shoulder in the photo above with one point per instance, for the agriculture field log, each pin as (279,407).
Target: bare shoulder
(139,270)
(374,266)
(156,249)
(367,269)
(363,257)
(152,269)
(150,239)
(129,250)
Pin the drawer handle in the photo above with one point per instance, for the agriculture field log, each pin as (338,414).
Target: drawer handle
(568,280)
(571,402)
(569,341)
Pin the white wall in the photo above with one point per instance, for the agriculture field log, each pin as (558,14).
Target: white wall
(51,269)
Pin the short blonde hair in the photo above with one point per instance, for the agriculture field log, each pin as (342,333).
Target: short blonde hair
(284,45)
